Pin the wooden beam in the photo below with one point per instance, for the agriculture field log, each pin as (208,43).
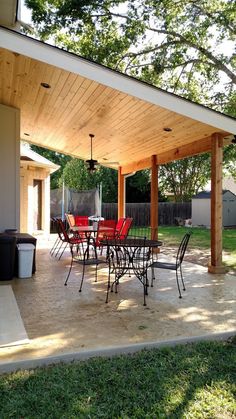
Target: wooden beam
(188,150)
(215,265)
(121,193)
(177,153)
(154,198)
(136,166)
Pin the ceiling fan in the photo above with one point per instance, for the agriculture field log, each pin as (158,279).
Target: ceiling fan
(93,163)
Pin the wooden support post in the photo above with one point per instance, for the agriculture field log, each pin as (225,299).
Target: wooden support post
(215,265)
(154,198)
(121,194)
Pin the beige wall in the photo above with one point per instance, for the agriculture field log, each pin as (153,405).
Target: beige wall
(28,174)
(9,168)
(201,212)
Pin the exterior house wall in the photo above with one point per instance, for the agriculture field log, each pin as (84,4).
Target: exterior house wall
(9,167)
(28,174)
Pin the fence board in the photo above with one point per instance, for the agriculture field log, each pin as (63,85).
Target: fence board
(140,212)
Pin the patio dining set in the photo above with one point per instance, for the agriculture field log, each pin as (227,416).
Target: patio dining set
(110,243)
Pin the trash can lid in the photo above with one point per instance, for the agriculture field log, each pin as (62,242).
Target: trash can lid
(25,246)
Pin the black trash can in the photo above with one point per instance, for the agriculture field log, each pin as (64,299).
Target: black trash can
(7,256)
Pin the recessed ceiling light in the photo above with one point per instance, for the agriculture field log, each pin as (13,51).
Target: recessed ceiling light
(45,85)
(167,129)
(26,134)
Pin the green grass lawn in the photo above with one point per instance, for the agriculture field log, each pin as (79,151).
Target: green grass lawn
(190,381)
(200,239)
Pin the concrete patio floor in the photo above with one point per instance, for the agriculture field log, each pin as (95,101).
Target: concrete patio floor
(60,320)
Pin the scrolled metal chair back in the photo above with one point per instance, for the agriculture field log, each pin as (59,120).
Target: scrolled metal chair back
(182,249)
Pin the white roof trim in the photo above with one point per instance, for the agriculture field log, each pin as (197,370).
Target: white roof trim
(37,159)
(70,62)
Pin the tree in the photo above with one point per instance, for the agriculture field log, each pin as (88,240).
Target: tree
(184,178)
(138,187)
(56,158)
(179,45)
(184,46)
(76,176)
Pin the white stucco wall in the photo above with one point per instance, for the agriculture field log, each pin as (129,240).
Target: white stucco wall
(9,168)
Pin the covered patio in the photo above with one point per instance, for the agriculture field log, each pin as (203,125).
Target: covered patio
(54,99)
(59,320)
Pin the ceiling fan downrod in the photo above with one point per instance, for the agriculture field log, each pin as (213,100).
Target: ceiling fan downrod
(91,162)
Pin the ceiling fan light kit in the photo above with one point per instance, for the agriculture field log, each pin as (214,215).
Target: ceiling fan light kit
(93,163)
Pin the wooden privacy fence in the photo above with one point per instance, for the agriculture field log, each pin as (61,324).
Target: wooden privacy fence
(168,212)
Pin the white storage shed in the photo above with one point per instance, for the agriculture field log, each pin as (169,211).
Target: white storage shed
(201,209)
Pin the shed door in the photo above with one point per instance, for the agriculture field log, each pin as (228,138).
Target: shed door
(37,202)
(230,213)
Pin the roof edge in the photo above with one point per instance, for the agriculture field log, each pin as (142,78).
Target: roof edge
(71,62)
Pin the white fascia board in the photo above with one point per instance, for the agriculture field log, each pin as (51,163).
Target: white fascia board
(37,164)
(92,71)
(36,159)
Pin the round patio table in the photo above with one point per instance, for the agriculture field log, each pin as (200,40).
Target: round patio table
(132,254)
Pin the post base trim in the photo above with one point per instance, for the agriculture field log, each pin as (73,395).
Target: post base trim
(217,269)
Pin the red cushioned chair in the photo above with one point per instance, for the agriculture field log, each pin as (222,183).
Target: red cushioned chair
(119,226)
(65,238)
(125,228)
(103,233)
(81,220)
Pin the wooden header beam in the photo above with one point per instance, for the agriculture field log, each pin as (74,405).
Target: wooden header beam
(178,153)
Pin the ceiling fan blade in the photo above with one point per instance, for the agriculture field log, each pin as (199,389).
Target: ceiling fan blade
(116,163)
(112,162)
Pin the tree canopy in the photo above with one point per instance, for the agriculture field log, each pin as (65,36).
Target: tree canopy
(76,176)
(183,46)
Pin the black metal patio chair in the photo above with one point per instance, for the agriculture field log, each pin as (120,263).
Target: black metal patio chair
(84,253)
(131,255)
(174,266)
(59,242)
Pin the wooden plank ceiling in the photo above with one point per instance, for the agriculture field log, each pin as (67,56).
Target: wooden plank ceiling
(127,130)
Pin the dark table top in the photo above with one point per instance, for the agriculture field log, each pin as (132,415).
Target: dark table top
(132,242)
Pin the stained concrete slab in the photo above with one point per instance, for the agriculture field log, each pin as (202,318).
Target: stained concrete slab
(60,320)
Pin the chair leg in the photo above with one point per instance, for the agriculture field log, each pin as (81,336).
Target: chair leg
(96,274)
(182,279)
(82,280)
(72,256)
(54,247)
(63,251)
(58,249)
(153,276)
(145,288)
(108,281)
(177,280)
